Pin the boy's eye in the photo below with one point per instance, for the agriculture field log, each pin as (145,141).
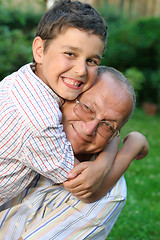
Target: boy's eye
(70,54)
(93,62)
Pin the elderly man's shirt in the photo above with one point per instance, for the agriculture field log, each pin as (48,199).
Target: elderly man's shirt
(44,211)
(31,134)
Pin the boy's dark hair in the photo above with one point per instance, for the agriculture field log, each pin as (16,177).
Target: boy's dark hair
(67,13)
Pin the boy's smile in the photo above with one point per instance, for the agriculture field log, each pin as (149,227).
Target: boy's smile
(69,64)
(72,83)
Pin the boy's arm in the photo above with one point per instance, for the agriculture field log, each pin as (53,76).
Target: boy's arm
(135,146)
(86,177)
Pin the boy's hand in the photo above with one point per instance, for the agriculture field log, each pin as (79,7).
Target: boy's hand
(86,178)
(143,153)
(86,182)
(76,162)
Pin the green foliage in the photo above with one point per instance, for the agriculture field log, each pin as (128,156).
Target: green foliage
(15,18)
(136,78)
(17,30)
(15,50)
(155,79)
(111,14)
(135,44)
(139,218)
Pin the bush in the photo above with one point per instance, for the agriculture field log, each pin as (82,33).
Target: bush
(17,30)
(134,44)
(15,50)
(155,80)
(18,19)
(136,78)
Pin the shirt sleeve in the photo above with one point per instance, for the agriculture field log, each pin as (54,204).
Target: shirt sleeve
(49,153)
(39,139)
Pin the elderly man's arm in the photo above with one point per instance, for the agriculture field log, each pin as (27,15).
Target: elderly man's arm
(135,147)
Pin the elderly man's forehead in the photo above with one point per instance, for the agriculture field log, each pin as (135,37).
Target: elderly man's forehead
(100,88)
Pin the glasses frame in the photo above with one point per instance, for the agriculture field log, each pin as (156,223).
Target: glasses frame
(116,132)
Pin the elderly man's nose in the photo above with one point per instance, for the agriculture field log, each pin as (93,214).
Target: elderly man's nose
(91,127)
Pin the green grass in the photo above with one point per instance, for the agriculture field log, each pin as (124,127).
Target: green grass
(140,218)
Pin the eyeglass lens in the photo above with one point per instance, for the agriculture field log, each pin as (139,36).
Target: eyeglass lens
(84,113)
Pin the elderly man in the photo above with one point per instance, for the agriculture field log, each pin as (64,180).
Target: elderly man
(48,211)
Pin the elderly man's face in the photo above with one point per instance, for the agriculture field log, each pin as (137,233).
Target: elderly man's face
(111,102)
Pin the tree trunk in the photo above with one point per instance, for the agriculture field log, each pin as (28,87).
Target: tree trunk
(121,5)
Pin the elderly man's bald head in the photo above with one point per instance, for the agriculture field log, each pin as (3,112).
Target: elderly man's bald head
(118,76)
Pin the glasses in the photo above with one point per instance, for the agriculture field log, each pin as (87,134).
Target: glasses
(104,128)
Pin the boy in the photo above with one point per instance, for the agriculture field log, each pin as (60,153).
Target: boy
(67,50)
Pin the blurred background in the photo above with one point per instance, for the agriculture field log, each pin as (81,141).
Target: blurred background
(133,48)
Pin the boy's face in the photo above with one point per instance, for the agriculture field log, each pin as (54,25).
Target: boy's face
(69,64)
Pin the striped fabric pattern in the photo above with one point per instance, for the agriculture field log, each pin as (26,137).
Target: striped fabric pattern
(31,134)
(43,211)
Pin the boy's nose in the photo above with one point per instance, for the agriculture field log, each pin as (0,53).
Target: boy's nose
(90,128)
(80,68)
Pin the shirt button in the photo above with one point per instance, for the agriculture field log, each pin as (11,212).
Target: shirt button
(30,206)
(17,224)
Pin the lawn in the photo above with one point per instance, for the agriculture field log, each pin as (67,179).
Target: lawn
(140,218)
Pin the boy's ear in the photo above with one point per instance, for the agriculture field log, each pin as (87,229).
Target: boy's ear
(37,48)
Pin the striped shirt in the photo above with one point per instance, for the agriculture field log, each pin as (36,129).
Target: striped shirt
(31,134)
(43,211)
